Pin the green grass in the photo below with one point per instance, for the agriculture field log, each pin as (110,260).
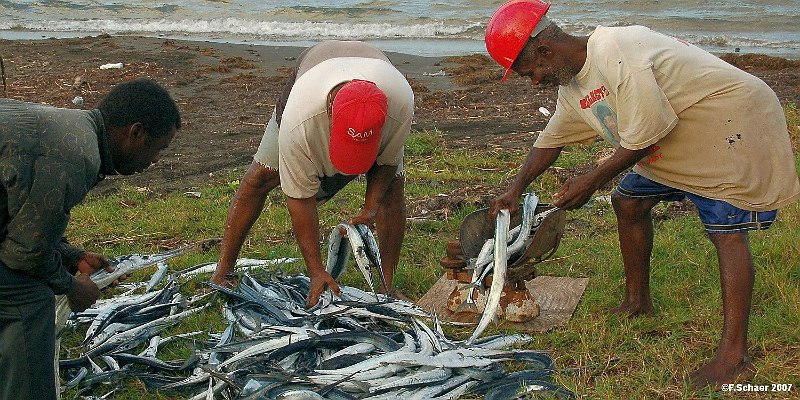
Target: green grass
(601,356)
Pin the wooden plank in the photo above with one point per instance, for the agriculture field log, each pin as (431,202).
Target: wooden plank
(557,298)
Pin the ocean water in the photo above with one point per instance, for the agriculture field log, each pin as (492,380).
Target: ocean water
(431,28)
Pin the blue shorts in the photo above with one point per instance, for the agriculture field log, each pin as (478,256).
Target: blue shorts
(718,216)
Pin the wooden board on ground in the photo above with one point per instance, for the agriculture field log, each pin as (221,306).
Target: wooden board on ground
(556,296)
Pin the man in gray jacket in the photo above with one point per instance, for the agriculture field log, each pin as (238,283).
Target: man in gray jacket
(49,159)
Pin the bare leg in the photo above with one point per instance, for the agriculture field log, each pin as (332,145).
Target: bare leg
(391,226)
(635,228)
(731,361)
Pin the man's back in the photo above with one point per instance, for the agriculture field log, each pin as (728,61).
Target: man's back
(305,125)
(684,72)
(333,49)
(39,130)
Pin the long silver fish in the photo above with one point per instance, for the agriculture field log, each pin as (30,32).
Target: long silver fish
(528,210)
(425,375)
(431,391)
(158,276)
(499,275)
(338,253)
(482,264)
(373,252)
(124,265)
(336,261)
(249,263)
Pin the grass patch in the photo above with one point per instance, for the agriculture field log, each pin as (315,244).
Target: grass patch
(793,124)
(601,357)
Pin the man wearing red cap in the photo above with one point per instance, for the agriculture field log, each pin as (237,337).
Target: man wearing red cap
(345,111)
(691,126)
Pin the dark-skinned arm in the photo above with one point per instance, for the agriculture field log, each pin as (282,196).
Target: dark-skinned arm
(245,208)
(575,192)
(379,178)
(305,223)
(538,160)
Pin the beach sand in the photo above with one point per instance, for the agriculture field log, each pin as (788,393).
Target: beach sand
(226,93)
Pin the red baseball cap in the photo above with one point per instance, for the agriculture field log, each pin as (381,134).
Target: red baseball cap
(359,111)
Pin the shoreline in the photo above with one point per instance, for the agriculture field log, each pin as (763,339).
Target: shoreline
(226,93)
(427,47)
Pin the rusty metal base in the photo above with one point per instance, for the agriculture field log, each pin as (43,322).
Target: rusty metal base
(516,303)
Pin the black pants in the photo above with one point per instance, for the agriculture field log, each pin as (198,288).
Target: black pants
(27,348)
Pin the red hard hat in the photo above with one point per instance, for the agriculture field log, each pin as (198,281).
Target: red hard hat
(509,29)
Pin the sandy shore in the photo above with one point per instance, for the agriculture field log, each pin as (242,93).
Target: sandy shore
(226,93)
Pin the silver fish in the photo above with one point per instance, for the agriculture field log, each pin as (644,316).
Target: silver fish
(123,266)
(499,275)
(482,264)
(528,209)
(338,253)
(158,276)
(373,251)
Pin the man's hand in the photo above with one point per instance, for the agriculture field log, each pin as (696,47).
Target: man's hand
(506,201)
(83,293)
(575,192)
(91,262)
(319,281)
(365,217)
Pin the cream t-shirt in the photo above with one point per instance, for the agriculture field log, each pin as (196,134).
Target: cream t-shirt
(718,132)
(304,134)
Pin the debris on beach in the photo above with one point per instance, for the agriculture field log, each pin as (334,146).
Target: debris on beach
(437,73)
(112,66)
(544,111)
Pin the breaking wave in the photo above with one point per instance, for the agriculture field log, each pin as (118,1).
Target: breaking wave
(307,30)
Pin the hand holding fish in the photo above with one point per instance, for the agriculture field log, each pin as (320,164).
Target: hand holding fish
(506,201)
(365,217)
(89,262)
(320,279)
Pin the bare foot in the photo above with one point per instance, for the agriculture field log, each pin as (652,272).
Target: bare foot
(718,372)
(632,309)
(227,280)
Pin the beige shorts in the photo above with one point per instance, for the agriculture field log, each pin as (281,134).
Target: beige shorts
(267,153)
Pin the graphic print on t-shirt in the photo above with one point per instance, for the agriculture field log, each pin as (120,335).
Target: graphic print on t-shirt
(608,121)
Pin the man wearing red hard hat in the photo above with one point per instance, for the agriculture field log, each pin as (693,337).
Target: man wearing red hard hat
(691,126)
(345,111)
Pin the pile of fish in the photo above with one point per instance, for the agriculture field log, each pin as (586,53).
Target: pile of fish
(361,345)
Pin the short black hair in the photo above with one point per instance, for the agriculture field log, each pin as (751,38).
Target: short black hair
(144,101)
